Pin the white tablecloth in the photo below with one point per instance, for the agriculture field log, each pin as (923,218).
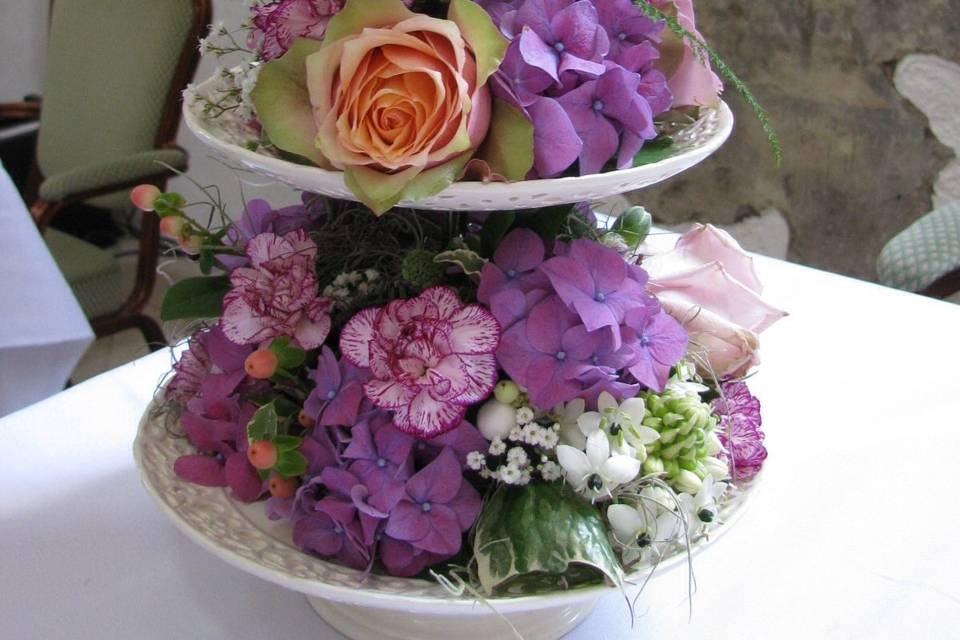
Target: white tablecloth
(43,332)
(852,533)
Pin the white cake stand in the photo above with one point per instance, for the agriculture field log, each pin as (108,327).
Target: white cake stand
(228,135)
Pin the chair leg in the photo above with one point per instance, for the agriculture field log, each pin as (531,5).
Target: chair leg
(151,331)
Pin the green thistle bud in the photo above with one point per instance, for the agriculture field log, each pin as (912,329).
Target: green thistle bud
(419,269)
(687,441)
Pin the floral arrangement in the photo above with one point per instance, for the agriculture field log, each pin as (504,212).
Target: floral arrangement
(523,399)
(529,399)
(404,97)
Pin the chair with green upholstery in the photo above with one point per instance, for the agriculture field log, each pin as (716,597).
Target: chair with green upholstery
(925,257)
(108,120)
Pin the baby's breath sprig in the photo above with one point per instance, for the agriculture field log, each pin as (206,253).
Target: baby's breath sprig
(703,51)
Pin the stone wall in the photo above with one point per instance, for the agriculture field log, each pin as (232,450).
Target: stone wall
(860,159)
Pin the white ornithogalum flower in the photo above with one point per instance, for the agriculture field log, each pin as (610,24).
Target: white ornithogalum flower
(566,416)
(497,447)
(685,380)
(595,472)
(495,419)
(372,275)
(643,530)
(702,509)
(476,460)
(517,456)
(623,422)
(524,415)
(550,471)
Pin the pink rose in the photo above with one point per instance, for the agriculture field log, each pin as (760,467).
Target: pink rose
(431,357)
(691,81)
(278,294)
(708,283)
(396,100)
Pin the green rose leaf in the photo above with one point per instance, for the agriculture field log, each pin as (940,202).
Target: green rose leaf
(488,45)
(283,104)
(508,147)
(470,262)
(358,15)
(263,425)
(541,536)
(654,151)
(382,191)
(291,464)
(195,298)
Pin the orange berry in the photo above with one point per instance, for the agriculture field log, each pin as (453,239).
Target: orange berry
(172,226)
(262,454)
(261,364)
(305,419)
(283,488)
(143,196)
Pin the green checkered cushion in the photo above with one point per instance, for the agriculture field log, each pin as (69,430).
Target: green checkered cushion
(923,252)
(92,273)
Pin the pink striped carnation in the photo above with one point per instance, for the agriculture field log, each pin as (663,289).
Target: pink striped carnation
(430,358)
(278,294)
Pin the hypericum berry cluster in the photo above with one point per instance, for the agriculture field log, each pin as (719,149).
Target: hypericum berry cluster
(522,445)
(348,288)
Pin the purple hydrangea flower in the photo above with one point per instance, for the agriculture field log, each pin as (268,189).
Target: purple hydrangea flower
(336,399)
(381,455)
(558,36)
(600,51)
(631,33)
(437,507)
(610,116)
(739,429)
(332,531)
(209,352)
(595,282)
(545,353)
(515,265)
(657,342)
(462,440)
(215,423)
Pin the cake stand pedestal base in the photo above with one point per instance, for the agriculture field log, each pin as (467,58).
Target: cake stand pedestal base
(476,623)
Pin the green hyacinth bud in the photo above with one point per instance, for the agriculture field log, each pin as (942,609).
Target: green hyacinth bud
(687,440)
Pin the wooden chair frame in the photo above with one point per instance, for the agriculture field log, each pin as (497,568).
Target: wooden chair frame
(130,315)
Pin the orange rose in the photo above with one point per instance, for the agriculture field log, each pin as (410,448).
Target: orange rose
(399,99)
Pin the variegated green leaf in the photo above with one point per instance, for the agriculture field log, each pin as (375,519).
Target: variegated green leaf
(542,536)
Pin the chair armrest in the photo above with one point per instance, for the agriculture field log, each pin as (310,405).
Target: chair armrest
(122,172)
(19,110)
(923,253)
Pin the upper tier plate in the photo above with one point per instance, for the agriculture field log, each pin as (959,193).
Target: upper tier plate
(228,135)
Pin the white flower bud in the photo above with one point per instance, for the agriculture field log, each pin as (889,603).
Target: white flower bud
(495,420)
(716,468)
(688,482)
